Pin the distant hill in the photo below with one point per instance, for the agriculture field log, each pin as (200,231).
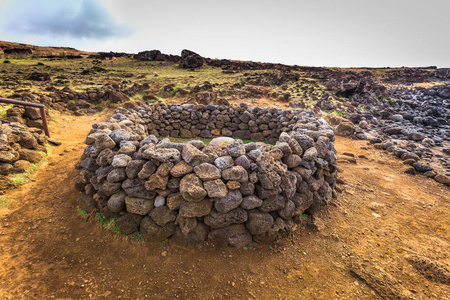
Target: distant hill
(18,50)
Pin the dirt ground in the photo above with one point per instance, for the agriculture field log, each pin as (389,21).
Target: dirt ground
(387,235)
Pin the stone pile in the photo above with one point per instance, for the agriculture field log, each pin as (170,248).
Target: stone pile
(20,146)
(414,126)
(225,192)
(412,115)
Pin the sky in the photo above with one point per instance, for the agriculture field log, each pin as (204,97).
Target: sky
(332,33)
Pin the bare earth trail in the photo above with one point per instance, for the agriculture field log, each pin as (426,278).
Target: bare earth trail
(362,246)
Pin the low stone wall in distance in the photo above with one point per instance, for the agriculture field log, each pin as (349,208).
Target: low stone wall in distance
(225,191)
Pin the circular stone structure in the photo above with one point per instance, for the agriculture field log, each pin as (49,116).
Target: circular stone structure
(226,191)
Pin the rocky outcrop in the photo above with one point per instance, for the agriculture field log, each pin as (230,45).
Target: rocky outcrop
(152,55)
(412,124)
(190,60)
(442,73)
(156,55)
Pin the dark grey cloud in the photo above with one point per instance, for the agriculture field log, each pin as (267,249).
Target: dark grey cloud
(87,19)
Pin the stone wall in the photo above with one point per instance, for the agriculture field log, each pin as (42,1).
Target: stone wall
(206,121)
(225,191)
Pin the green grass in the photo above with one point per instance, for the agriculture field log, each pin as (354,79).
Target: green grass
(179,140)
(137,236)
(102,112)
(252,246)
(81,211)
(4,108)
(4,201)
(108,224)
(138,96)
(21,178)
(335,113)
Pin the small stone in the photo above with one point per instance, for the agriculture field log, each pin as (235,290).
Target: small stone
(276,153)
(444,179)
(236,148)
(233,185)
(159,201)
(164,169)
(410,155)
(138,206)
(152,232)
(180,169)
(345,129)
(134,167)
(117,175)
(215,188)
(207,171)
(191,188)
(120,160)
(162,215)
(247,188)
(187,225)
(288,211)
(121,135)
(251,202)
(274,203)
(217,219)
(163,154)
(116,202)
(232,200)
(259,222)
(193,156)
(129,223)
(310,154)
(292,161)
(295,147)
(222,141)
(422,168)
(103,141)
(156,181)
(149,140)
(28,155)
(5,169)
(195,209)
(174,201)
(224,162)
(234,235)
(20,166)
(270,180)
(237,173)
(243,162)
(54,142)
